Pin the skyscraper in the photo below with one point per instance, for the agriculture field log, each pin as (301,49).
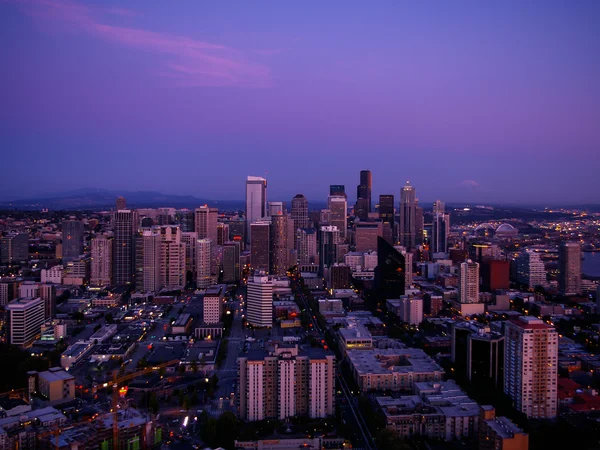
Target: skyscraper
(439,232)
(569,265)
(125,224)
(366,234)
(531,366)
(363,195)
(256,201)
(231,261)
(204,277)
(339,212)
(386,215)
(148,252)
(306,245)
(102,259)
(330,237)
(72,239)
(260,302)
(14,248)
(390,273)
(337,190)
(530,269)
(300,211)
(408,217)
(25,320)
(189,238)
(121,203)
(468,282)
(260,246)
(439,207)
(276,208)
(206,222)
(173,258)
(279,244)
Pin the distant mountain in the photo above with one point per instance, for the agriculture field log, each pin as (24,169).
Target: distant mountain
(82,199)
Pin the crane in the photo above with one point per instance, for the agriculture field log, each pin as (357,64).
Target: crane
(118,380)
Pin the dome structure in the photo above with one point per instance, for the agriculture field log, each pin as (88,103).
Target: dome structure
(507,230)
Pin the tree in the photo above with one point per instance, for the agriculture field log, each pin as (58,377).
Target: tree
(226,430)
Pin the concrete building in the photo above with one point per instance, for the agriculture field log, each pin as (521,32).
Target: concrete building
(53,274)
(14,248)
(72,239)
(260,246)
(286,383)
(330,237)
(338,206)
(259,306)
(468,282)
(569,266)
(25,319)
(530,366)
(408,308)
(495,274)
(204,277)
(300,212)
(222,233)
(387,216)
(279,248)
(125,225)
(439,232)
(205,221)
(102,259)
(212,304)
(366,234)
(408,217)
(530,269)
(56,384)
(148,256)
(499,433)
(9,290)
(306,246)
(189,238)
(231,261)
(172,258)
(256,202)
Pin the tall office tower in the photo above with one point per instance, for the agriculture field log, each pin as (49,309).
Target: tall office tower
(231,261)
(530,269)
(121,203)
(279,244)
(14,248)
(363,195)
(260,246)
(439,207)
(495,274)
(256,202)
(468,282)
(72,239)
(286,383)
(25,320)
(260,302)
(439,232)
(222,233)
(186,220)
(408,217)
(485,358)
(530,366)
(366,234)
(237,229)
(275,208)
(569,266)
(212,304)
(386,215)
(330,238)
(189,238)
(337,190)
(148,260)
(325,217)
(47,292)
(102,260)
(204,261)
(306,245)
(300,212)
(419,225)
(173,257)
(125,224)
(339,212)
(206,222)
(390,273)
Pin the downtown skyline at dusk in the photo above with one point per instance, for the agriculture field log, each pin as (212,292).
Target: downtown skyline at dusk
(470,102)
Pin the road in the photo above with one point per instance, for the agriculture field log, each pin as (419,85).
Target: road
(363,438)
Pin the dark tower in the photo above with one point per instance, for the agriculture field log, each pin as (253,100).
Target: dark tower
(386,215)
(390,271)
(363,195)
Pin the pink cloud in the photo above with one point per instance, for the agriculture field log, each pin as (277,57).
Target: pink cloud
(471,184)
(189,62)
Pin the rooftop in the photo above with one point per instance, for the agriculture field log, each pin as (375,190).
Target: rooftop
(504,427)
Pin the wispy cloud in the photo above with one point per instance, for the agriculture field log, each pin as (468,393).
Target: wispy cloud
(187,61)
(471,184)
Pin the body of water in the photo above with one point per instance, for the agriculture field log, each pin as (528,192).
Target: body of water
(591,264)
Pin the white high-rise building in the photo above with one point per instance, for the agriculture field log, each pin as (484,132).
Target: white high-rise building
(260,302)
(173,258)
(148,258)
(256,201)
(204,260)
(26,317)
(530,366)
(530,269)
(205,220)
(411,310)
(338,205)
(102,255)
(468,282)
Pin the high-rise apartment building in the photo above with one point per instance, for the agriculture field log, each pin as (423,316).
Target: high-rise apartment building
(468,282)
(260,246)
(530,269)
(339,212)
(300,212)
(286,383)
(306,246)
(125,223)
(530,366)
(256,201)
(279,244)
(411,309)
(72,239)
(260,302)
(14,248)
(102,260)
(205,219)
(212,304)
(231,261)
(387,216)
(222,233)
(408,217)
(569,266)
(189,238)
(25,318)
(204,261)
(148,257)
(173,257)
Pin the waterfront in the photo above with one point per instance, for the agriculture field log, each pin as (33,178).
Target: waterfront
(590,265)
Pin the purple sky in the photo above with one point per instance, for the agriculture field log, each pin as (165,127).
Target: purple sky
(471,101)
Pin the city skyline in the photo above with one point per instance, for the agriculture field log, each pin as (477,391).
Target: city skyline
(472,103)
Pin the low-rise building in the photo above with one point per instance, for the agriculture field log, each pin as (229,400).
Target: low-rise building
(56,384)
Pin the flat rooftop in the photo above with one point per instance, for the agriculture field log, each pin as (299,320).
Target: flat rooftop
(392,360)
